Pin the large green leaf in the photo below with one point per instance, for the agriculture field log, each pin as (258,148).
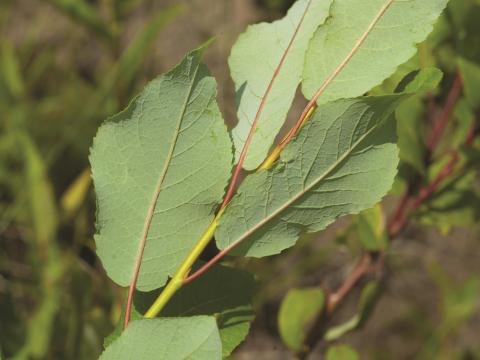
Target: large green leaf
(194,338)
(234,326)
(224,292)
(252,62)
(389,43)
(344,160)
(160,168)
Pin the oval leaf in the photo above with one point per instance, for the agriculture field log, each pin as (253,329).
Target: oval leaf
(254,58)
(160,168)
(344,160)
(391,30)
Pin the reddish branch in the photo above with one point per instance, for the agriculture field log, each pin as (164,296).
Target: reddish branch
(373,261)
(363,267)
(408,204)
(398,223)
(441,122)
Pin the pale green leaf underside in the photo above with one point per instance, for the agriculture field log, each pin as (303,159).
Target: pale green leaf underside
(171,138)
(391,43)
(252,62)
(343,161)
(193,338)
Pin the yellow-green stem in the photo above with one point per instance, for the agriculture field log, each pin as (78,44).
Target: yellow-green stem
(274,155)
(182,272)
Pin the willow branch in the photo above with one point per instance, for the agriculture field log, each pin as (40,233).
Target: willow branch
(440,123)
(307,111)
(180,277)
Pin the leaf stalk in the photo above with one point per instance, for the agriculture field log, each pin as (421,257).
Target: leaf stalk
(178,279)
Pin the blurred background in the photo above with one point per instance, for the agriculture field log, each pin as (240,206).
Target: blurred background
(65,65)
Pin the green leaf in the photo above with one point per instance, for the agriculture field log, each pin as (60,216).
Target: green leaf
(471,82)
(343,161)
(298,311)
(194,338)
(252,74)
(371,229)
(341,352)
(224,292)
(234,326)
(117,332)
(389,43)
(421,81)
(159,169)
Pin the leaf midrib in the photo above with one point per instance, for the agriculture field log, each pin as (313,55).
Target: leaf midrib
(314,99)
(306,189)
(158,186)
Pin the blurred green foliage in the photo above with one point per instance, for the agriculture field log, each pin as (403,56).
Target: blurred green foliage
(65,65)
(55,89)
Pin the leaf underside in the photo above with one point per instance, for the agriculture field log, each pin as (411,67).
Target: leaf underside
(166,158)
(252,73)
(342,161)
(390,43)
